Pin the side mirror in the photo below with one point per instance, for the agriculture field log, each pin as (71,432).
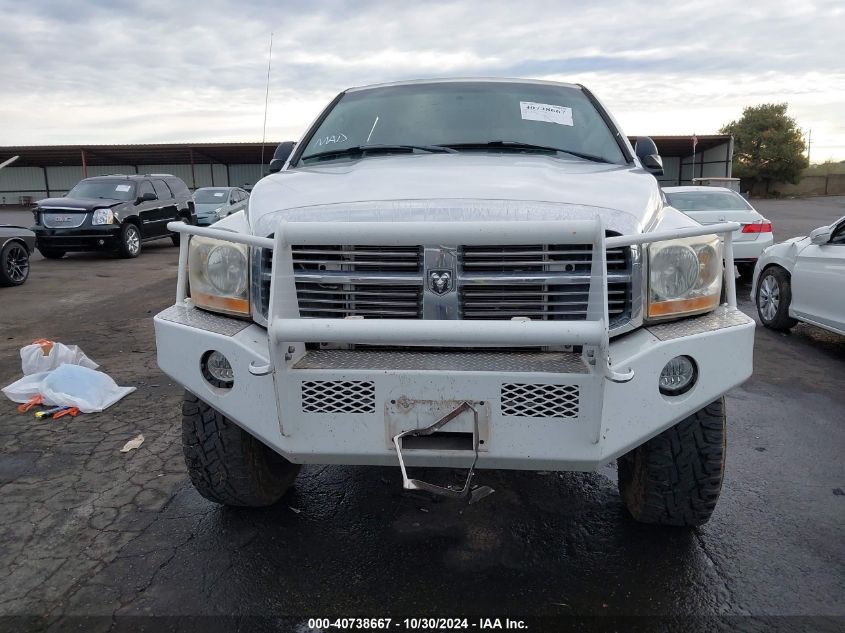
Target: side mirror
(820,235)
(280,156)
(147,197)
(646,151)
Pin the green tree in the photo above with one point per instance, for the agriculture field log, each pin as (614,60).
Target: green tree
(768,145)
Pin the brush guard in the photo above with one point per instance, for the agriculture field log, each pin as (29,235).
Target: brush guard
(288,332)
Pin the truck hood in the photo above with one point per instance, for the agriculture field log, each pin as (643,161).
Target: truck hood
(82,204)
(458,187)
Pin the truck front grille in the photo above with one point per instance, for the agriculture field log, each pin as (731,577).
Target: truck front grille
(62,219)
(369,281)
(542,282)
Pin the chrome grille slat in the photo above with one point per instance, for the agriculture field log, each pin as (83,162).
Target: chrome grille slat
(351,263)
(550,293)
(365,293)
(309,251)
(548,263)
(538,278)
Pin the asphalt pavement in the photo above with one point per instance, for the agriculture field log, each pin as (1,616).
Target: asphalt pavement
(86,531)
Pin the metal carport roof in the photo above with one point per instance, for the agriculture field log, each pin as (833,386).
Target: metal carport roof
(233,153)
(138,154)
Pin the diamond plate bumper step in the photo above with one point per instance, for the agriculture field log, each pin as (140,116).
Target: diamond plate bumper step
(467,492)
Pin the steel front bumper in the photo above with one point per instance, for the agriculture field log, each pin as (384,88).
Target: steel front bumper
(536,410)
(85,238)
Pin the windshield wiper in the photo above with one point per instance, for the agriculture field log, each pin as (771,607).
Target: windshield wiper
(369,149)
(520,146)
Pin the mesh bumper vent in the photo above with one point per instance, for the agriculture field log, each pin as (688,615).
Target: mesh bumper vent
(540,401)
(338,396)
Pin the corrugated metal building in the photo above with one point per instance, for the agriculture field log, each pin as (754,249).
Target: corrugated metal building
(50,171)
(713,158)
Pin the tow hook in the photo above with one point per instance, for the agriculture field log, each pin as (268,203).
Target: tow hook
(467,492)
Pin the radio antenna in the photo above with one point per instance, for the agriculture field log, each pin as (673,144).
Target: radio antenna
(266,101)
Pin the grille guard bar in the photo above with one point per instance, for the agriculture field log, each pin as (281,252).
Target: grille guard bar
(288,332)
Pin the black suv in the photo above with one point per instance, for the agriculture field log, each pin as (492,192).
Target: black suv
(114,213)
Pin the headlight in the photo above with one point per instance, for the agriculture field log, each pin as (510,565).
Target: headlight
(219,212)
(102,216)
(685,276)
(218,273)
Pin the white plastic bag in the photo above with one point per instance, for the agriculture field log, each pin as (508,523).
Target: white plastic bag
(34,361)
(88,390)
(26,388)
(69,386)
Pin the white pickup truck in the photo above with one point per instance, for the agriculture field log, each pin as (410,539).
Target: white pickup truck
(466,274)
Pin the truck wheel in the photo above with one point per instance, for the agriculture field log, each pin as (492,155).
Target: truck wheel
(228,465)
(130,241)
(14,264)
(773,296)
(49,253)
(675,478)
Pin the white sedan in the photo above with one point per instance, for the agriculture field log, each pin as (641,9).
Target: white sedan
(712,205)
(803,279)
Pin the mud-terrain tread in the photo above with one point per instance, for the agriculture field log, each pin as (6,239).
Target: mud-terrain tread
(226,464)
(675,478)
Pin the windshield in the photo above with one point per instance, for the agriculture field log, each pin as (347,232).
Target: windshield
(106,189)
(707,201)
(465,113)
(208,195)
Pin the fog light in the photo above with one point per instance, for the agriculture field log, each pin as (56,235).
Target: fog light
(678,376)
(217,370)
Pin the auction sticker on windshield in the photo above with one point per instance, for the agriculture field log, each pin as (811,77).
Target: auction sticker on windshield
(122,188)
(531,111)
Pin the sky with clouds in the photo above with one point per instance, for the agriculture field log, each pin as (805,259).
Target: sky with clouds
(117,71)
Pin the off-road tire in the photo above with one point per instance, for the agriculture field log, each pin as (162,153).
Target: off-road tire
(14,263)
(781,319)
(126,248)
(675,478)
(49,253)
(226,464)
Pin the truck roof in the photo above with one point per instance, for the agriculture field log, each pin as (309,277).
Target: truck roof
(465,80)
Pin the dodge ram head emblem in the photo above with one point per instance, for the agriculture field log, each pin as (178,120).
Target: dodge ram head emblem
(440,281)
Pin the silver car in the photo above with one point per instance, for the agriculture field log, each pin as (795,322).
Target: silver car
(215,203)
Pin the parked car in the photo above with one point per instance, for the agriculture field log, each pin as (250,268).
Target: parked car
(710,205)
(115,213)
(16,245)
(215,203)
(459,273)
(803,279)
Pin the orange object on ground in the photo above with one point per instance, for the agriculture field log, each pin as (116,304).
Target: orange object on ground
(46,345)
(33,401)
(72,412)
